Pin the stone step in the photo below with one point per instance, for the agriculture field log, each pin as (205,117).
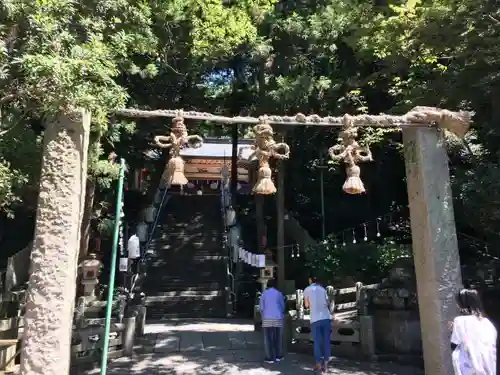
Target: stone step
(194,262)
(188,250)
(183,297)
(197,218)
(171,224)
(187,308)
(186,240)
(186,286)
(186,293)
(186,275)
(162,258)
(190,274)
(159,316)
(192,235)
(174,240)
(185,303)
(178,262)
(197,258)
(182,281)
(195,234)
(187,244)
(185,279)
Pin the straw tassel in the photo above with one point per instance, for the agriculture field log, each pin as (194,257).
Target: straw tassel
(264,184)
(175,172)
(353,183)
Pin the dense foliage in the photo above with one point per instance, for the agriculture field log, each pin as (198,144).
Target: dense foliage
(258,56)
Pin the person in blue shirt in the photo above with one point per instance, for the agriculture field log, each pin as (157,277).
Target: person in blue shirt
(272,309)
(316,299)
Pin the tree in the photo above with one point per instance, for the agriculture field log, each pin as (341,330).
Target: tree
(58,56)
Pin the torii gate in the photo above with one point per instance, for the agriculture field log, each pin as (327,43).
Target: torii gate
(437,265)
(435,246)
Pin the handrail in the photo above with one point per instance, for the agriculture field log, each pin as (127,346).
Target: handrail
(230,275)
(230,288)
(231,278)
(157,216)
(142,259)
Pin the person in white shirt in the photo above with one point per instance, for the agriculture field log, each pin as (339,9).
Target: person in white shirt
(134,247)
(474,337)
(316,299)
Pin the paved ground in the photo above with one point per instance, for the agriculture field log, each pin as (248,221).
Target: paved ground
(223,348)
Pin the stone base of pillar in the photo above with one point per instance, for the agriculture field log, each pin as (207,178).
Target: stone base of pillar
(367,336)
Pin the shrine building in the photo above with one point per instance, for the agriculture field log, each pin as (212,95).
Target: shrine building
(203,166)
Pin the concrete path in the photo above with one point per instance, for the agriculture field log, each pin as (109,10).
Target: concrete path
(223,347)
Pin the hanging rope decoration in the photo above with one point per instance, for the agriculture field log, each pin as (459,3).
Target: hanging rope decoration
(176,141)
(265,148)
(351,153)
(340,238)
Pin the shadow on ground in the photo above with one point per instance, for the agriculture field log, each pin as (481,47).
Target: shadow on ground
(200,349)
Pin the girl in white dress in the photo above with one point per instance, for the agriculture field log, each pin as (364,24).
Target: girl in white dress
(474,337)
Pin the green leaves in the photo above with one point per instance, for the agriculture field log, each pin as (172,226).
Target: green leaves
(366,262)
(218,29)
(72,52)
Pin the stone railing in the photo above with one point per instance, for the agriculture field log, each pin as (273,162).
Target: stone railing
(351,324)
(9,342)
(17,272)
(88,340)
(394,308)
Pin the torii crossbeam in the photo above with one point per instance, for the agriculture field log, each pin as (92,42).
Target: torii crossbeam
(456,122)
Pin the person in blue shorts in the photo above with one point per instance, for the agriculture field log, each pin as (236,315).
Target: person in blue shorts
(316,299)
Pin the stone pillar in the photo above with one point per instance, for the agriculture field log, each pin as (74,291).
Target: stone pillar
(129,336)
(367,336)
(51,288)
(435,247)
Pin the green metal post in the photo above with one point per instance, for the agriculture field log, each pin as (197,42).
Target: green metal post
(112,271)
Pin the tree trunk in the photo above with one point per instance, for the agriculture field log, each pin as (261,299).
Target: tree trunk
(51,288)
(261,225)
(87,218)
(280,233)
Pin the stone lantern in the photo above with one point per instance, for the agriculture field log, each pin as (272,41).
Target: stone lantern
(266,273)
(91,268)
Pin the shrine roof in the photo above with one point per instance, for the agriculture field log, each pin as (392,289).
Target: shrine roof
(217,148)
(211,148)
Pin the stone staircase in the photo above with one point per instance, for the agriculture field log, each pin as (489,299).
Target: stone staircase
(186,277)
